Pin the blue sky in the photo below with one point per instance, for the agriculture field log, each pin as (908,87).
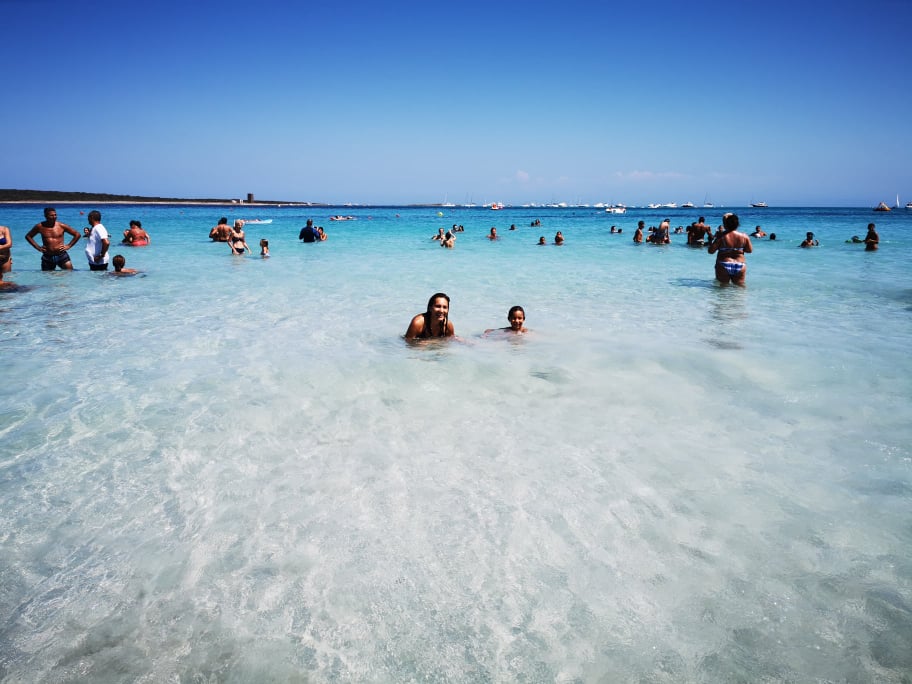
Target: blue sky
(793,103)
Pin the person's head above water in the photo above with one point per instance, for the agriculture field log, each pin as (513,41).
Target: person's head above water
(730,222)
(517,318)
(434,322)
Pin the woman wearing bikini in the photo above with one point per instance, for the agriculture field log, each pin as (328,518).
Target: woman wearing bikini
(435,322)
(730,246)
(237,242)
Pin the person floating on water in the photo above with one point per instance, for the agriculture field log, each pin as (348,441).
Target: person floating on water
(730,247)
(517,318)
(435,322)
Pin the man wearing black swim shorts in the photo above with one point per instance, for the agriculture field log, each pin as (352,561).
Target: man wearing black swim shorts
(53,250)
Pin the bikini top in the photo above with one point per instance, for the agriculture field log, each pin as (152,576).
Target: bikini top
(426,330)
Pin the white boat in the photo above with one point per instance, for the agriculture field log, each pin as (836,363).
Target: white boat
(653,206)
(616,209)
(759,205)
(908,205)
(706,203)
(496,206)
(670,205)
(687,205)
(255,222)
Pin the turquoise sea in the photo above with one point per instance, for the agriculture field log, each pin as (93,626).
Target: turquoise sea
(234,469)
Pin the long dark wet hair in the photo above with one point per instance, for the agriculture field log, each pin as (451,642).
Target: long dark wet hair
(428,313)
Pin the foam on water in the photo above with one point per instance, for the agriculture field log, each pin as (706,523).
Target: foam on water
(235,469)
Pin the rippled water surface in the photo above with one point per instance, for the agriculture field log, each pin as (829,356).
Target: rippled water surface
(235,469)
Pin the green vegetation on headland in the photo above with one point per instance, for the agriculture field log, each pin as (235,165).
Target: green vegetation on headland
(60,196)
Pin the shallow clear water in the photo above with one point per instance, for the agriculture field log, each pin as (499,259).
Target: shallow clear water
(234,469)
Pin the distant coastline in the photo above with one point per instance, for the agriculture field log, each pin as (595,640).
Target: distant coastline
(13,196)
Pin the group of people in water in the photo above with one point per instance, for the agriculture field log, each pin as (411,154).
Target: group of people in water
(727,243)
(435,321)
(235,237)
(54,245)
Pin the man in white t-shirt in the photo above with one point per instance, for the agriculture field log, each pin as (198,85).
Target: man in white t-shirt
(97,249)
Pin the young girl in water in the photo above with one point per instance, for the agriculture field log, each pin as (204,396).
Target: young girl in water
(517,317)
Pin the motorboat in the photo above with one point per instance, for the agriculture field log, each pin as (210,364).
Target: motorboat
(256,222)
(687,205)
(759,205)
(908,205)
(616,209)
(496,206)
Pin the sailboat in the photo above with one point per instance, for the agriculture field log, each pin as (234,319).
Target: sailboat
(706,203)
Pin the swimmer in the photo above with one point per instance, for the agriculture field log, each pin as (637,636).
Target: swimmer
(661,236)
(541,240)
(449,240)
(698,232)
(135,235)
(238,243)
(512,226)
(809,241)
(772,236)
(440,234)
(119,263)
(6,243)
(517,318)
(53,249)
(872,239)
(221,232)
(638,233)
(758,232)
(264,248)
(559,238)
(493,234)
(730,248)
(435,322)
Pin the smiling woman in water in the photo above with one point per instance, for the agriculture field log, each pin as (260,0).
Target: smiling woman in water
(435,322)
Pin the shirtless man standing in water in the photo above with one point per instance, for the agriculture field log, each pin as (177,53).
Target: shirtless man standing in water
(53,250)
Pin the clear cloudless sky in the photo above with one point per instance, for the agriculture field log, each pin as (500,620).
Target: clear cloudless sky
(793,103)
